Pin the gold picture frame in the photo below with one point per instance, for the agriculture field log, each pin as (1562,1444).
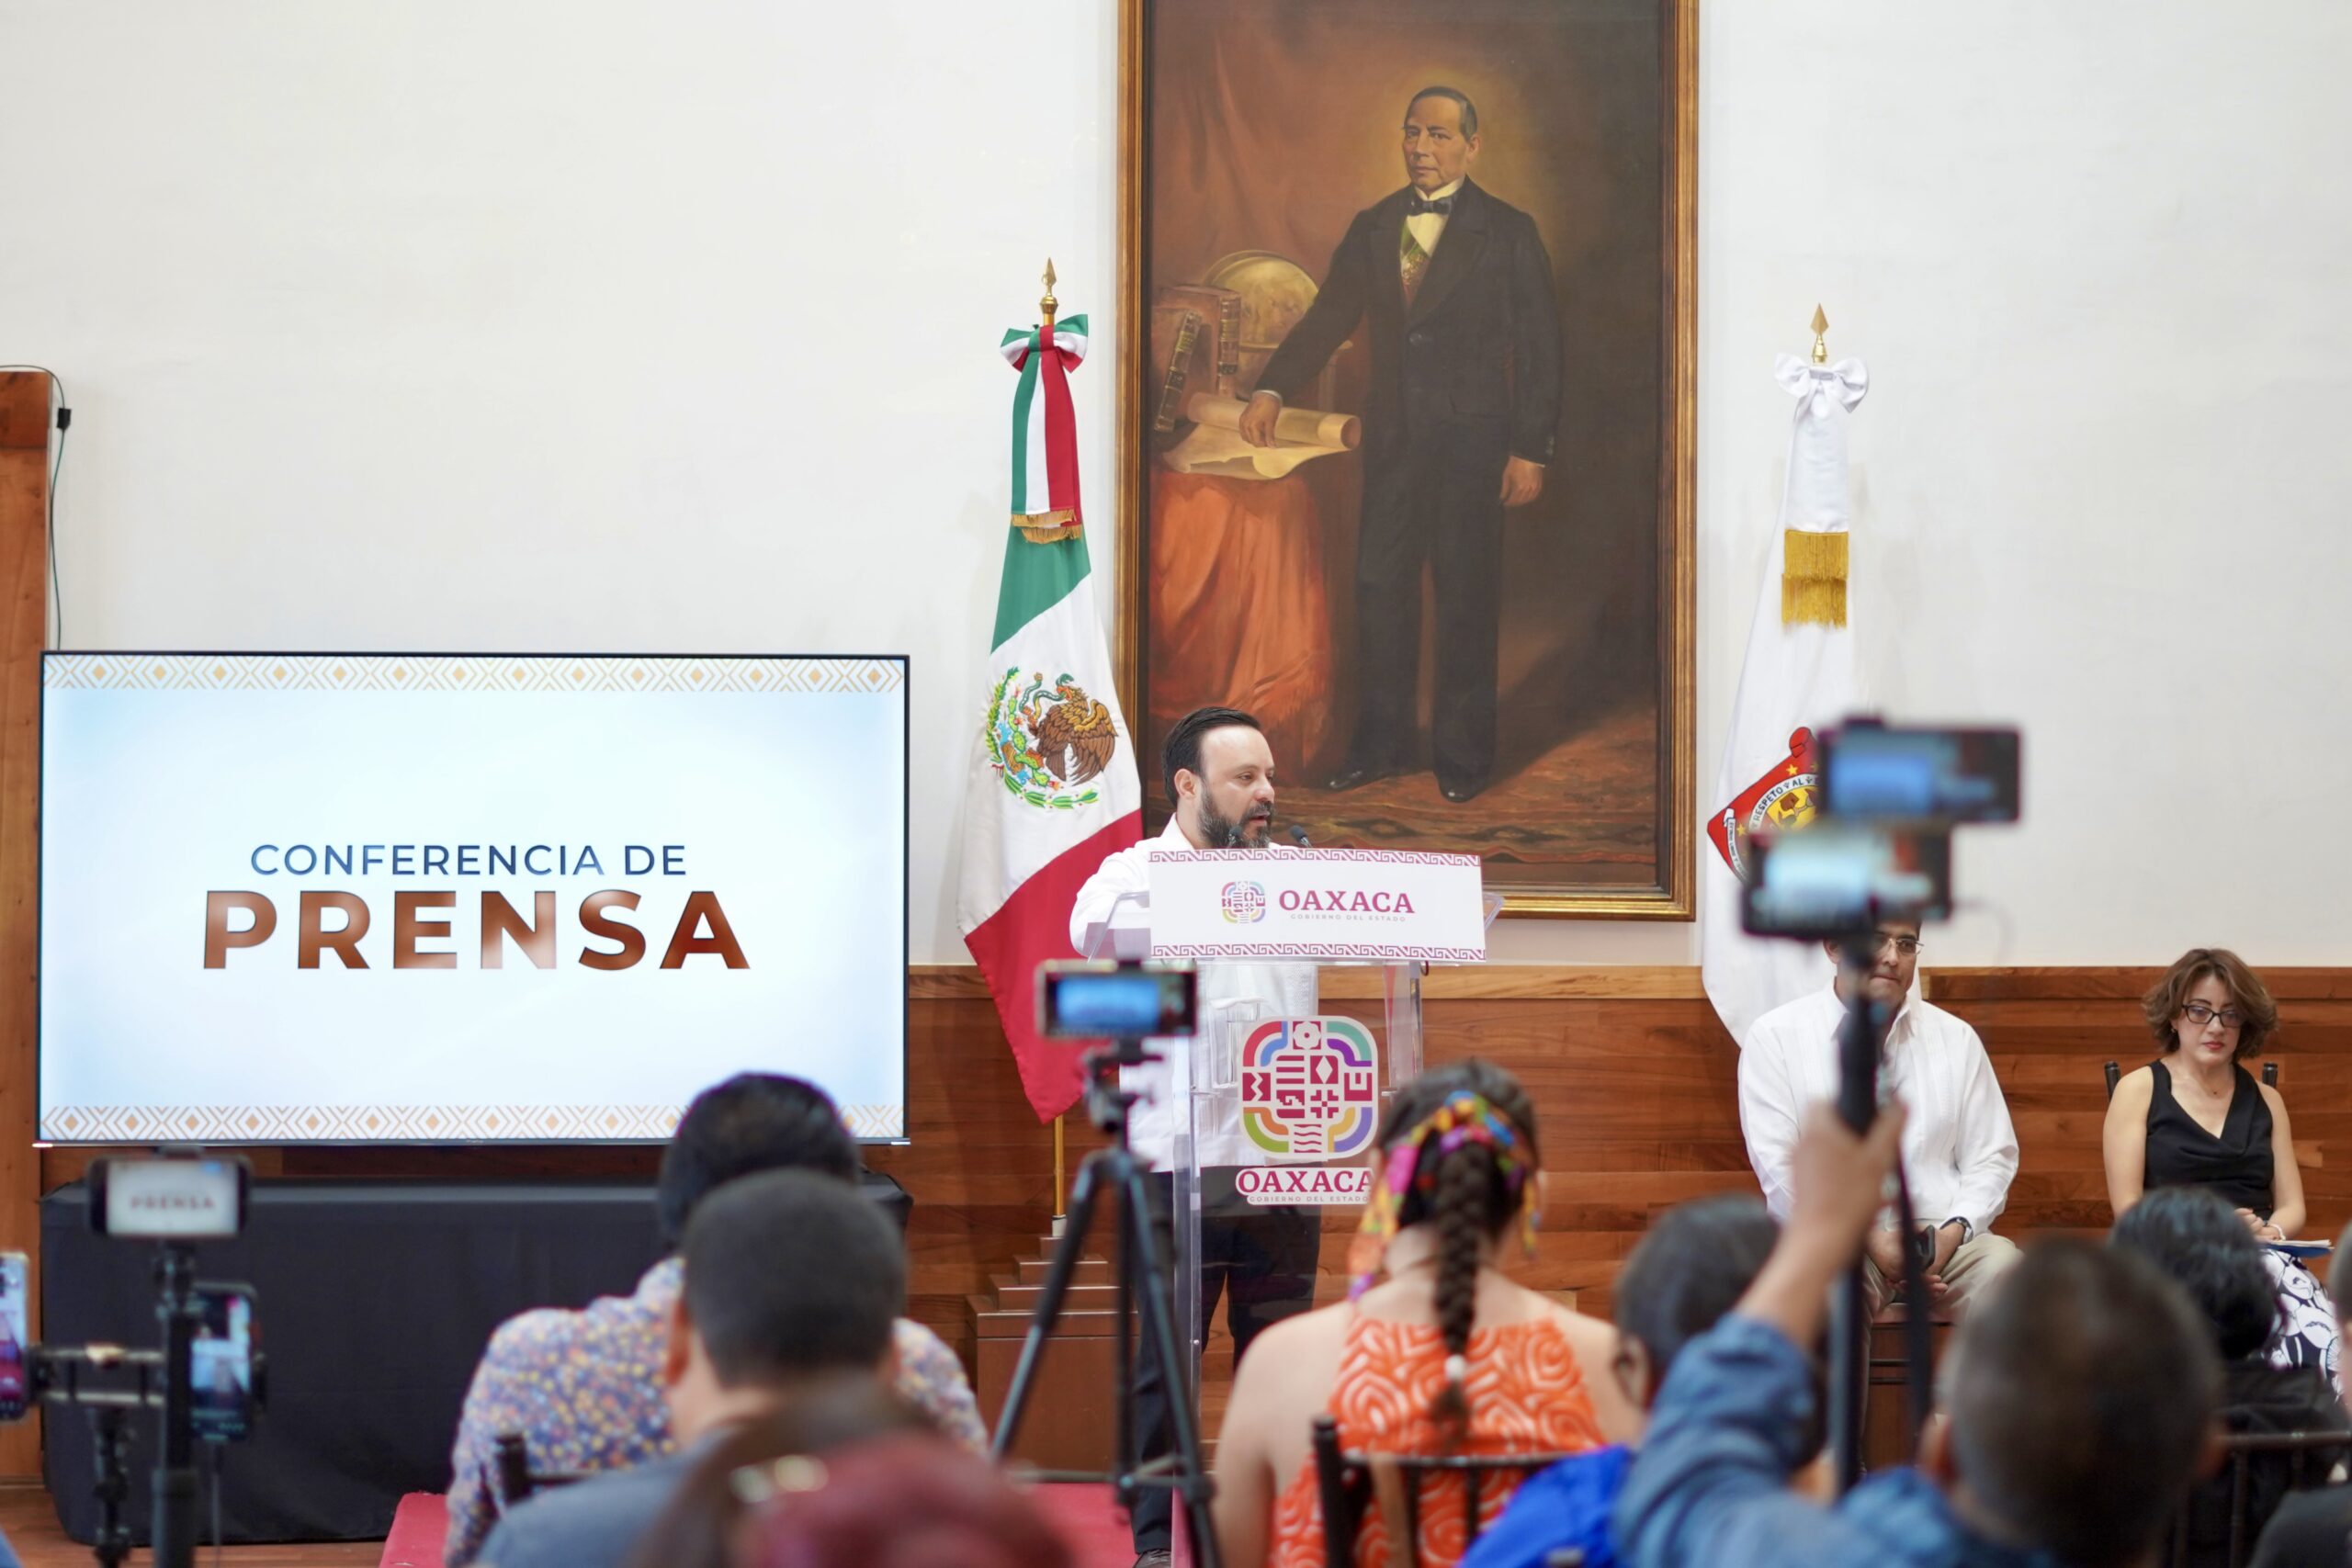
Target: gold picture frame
(1663,886)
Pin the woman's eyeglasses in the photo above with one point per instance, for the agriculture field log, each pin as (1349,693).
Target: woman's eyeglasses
(2201,1015)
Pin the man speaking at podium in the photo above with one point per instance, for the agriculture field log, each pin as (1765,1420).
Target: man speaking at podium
(1220,778)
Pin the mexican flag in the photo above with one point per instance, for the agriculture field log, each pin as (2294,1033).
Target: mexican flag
(1053,788)
(1799,677)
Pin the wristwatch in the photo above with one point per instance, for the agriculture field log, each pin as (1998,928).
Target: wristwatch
(1967,1230)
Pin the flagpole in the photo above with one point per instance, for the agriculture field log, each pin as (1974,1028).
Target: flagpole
(1061,1183)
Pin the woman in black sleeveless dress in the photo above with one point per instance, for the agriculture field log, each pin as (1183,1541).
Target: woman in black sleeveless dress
(2196,1118)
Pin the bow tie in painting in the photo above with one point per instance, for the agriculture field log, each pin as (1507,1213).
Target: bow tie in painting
(1419,205)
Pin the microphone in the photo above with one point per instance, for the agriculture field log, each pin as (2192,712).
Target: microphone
(1298,836)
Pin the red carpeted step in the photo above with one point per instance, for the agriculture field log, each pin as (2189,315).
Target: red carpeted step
(419,1529)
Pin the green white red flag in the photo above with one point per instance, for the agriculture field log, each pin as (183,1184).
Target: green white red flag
(1053,788)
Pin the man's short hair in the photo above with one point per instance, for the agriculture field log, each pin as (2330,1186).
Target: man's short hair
(1457,97)
(2200,1244)
(753,1121)
(2082,1394)
(1688,1271)
(1181,750)
(791,1274)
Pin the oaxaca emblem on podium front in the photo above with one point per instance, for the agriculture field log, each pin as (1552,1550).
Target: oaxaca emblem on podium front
(1310,1088)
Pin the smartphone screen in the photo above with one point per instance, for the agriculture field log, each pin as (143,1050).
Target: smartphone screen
(15,1377)
(220,1365)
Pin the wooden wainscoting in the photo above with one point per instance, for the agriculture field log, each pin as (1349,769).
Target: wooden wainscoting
(1635,1083)
(2049,1030)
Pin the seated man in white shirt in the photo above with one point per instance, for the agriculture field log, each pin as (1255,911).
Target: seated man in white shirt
(1220,773)
(1959,1150)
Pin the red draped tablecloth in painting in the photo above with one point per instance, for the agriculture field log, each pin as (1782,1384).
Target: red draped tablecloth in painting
(1238,615)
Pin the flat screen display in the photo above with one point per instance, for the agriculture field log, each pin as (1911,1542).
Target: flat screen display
(380,898)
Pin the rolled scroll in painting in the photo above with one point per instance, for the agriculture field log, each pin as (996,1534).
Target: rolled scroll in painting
(1215,446)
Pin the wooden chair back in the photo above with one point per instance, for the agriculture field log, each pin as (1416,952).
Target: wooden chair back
(2114,1076)
(2313,1459)
(1349,1483)
(516,1479)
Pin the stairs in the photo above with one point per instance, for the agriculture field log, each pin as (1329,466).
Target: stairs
(1073,1406)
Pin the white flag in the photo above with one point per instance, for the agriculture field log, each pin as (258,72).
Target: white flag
(1799,677)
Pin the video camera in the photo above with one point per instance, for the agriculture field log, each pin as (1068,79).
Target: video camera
(1879,845)
(206,1381)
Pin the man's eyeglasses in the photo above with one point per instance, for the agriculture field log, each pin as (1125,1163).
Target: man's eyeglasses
(2201,1015)
(1906,945)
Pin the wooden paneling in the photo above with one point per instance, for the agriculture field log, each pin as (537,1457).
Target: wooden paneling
(1634,1080)
(24,625)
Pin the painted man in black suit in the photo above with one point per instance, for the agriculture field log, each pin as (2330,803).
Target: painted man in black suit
(1460,421)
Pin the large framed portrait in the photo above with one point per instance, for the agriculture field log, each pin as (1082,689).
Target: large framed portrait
(1405,421)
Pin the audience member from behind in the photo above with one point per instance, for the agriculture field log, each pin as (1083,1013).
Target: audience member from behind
(2194,1117)
(791,1278)
(1446,1356)
(903,1502)
(1684,1275)
(2077,1401)
(584,1388)
(1961,1151)
(703,1524)
(2201,1246)
(2314,1529)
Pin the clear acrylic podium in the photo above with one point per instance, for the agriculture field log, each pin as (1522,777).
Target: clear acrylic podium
(1238,997)
(1212,1143)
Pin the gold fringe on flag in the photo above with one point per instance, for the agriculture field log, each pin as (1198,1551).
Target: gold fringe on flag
(1045,527)
(1812,578)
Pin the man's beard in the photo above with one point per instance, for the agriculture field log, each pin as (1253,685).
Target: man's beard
(1225,833)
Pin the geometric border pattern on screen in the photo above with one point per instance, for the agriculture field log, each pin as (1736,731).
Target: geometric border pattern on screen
(445,672)
(397,1123)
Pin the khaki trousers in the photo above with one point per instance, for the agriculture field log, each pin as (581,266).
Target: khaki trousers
(1973,1268)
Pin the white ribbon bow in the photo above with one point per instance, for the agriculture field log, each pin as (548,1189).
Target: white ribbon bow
(1827,385)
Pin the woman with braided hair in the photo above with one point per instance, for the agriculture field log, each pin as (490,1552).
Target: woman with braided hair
(1443,1356)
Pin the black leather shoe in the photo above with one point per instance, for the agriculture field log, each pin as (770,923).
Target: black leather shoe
(1460,790)
(1355,776)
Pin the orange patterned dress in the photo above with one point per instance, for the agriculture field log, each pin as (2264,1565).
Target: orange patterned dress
(1527,1396)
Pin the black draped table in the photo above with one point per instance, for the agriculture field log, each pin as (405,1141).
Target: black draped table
(375,1299)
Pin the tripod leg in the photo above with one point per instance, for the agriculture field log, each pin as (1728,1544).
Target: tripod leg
(1193,1485)
(1849,1331)
(1075,1226)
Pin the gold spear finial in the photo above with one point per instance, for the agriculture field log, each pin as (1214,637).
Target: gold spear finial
(1820,337)
(1046,306)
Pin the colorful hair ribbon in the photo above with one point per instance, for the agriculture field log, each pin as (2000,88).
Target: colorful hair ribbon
(1412,1165)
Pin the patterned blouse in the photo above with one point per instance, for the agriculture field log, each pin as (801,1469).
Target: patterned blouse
(584,1389)
(1527,1396)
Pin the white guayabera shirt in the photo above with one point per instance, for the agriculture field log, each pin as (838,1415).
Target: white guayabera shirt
(1960,1151)
(1270,990)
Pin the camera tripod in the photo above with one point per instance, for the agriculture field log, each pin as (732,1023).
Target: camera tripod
(1142,1281)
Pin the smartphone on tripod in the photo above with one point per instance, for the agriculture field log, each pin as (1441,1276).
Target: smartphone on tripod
(222,1365)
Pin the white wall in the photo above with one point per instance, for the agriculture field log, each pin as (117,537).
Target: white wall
(528,325)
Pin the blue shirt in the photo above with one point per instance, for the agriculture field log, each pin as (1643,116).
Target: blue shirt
(1567,1505)
(1710,1484)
